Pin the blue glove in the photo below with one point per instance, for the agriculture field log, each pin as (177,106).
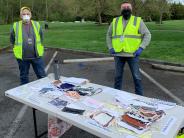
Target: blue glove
(112,51)
(138,52)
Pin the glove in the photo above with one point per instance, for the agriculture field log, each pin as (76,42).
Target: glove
(138,52)
(112,51)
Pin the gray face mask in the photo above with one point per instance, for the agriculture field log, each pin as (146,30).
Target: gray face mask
(126,13)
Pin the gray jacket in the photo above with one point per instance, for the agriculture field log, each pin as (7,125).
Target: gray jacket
(143,30)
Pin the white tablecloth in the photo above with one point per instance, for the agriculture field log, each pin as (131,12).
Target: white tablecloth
(28,95)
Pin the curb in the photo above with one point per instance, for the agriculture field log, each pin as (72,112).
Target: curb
(168,67)
(4,49)
(161,62)
(96,54)
(157,64)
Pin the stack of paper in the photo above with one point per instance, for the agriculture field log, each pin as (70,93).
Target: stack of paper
(140,118)
(103,118)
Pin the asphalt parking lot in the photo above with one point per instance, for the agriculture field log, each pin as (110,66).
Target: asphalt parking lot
(97,72)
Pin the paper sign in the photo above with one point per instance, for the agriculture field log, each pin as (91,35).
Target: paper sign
(92,103)
(168,125)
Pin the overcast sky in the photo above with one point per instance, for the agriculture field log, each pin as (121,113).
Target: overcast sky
(182,1)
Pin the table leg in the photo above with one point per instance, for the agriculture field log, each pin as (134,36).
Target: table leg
(35,126)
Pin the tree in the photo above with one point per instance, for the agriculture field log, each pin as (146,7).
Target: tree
(177,11)
(95,10)
(155,9)
(163,7)
(46,9)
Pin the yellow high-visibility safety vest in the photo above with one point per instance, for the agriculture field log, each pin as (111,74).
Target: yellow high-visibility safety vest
(17,26)
(182,136)
(126,39)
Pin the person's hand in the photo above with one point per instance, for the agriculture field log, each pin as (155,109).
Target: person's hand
(112,51)
(138,52)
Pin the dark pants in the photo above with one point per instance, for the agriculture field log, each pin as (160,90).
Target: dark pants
(46,26)
(24,65)
(133,63)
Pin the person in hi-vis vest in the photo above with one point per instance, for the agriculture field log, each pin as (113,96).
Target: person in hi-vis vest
(127,37)
(26,37)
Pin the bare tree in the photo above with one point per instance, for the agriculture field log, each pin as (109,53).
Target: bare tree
(47,11)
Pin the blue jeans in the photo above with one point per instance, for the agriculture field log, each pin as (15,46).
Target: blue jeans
(24,65)
(133,63)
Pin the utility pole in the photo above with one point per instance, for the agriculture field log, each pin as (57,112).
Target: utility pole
(46,8)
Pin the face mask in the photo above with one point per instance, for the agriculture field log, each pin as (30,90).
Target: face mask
(126,13)
(26,18)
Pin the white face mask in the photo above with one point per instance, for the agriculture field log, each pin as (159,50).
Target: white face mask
(26,18)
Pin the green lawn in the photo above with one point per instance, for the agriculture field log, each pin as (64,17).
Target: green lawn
(167,25)
(88,37)
(167,39)
(4,35)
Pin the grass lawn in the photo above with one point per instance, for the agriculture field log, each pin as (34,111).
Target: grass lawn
(4,35)
(167,25)
(167,39)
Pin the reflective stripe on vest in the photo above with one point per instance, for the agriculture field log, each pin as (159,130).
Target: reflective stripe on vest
(19,41)
(126,39)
